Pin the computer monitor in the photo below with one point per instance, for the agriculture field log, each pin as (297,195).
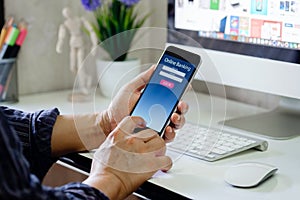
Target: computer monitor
(253,45)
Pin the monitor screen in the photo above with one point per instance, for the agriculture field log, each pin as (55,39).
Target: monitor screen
(243,40)
(247,44)
(260,28)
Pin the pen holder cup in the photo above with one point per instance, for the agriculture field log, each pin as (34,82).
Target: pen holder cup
(8,81)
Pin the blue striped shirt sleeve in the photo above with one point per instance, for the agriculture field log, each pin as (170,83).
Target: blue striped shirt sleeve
(34,130)
(25,157)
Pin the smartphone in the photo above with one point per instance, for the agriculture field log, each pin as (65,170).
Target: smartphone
(174,71)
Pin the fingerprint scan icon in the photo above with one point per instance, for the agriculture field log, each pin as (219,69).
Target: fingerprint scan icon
(158,115)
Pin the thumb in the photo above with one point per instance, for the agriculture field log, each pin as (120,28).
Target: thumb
(140,81)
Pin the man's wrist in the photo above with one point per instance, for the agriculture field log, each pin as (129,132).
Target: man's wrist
(109,185)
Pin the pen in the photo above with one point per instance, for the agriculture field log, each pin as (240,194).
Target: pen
(9,42)
(3,34)
(19,42)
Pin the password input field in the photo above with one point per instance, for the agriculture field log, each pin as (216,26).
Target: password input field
(174,71)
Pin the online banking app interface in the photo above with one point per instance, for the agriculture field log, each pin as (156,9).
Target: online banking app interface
(163,91)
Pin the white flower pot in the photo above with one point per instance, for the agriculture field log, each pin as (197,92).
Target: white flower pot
(112,75)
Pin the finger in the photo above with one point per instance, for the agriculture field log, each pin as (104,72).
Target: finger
(177,121)
(164,163)
(182,107)
(177,118)
(156,144)
(129,123)
(169,134)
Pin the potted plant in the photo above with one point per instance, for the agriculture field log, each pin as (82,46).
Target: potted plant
(116,24)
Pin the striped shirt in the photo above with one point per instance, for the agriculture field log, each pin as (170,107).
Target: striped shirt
(25,158)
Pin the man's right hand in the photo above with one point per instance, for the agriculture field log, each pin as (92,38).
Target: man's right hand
(126,160)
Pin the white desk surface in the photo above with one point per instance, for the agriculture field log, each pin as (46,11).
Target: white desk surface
(194,178)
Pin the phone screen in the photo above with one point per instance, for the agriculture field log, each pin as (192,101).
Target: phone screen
(165,88)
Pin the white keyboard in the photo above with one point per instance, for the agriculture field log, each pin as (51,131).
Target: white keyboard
(212,144)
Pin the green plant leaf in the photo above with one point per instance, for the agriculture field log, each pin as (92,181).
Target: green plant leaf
(116,27)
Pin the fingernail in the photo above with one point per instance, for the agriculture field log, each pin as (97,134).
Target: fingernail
(142,123)
(185,109)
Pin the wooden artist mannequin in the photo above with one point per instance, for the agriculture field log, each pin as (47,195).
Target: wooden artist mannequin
(74,26)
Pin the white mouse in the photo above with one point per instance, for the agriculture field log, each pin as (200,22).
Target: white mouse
(249,174)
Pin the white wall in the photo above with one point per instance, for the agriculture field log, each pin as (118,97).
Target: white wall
(40,68)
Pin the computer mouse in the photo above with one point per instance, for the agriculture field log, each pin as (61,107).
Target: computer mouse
(249,174)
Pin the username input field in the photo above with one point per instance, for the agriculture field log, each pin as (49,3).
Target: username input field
(170,76)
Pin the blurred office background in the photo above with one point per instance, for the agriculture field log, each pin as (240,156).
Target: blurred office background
(41,69)
(39,64)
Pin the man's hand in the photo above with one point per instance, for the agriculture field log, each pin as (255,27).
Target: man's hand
(125,160)
(127,97)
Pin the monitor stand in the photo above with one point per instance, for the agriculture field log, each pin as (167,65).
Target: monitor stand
(281,123)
